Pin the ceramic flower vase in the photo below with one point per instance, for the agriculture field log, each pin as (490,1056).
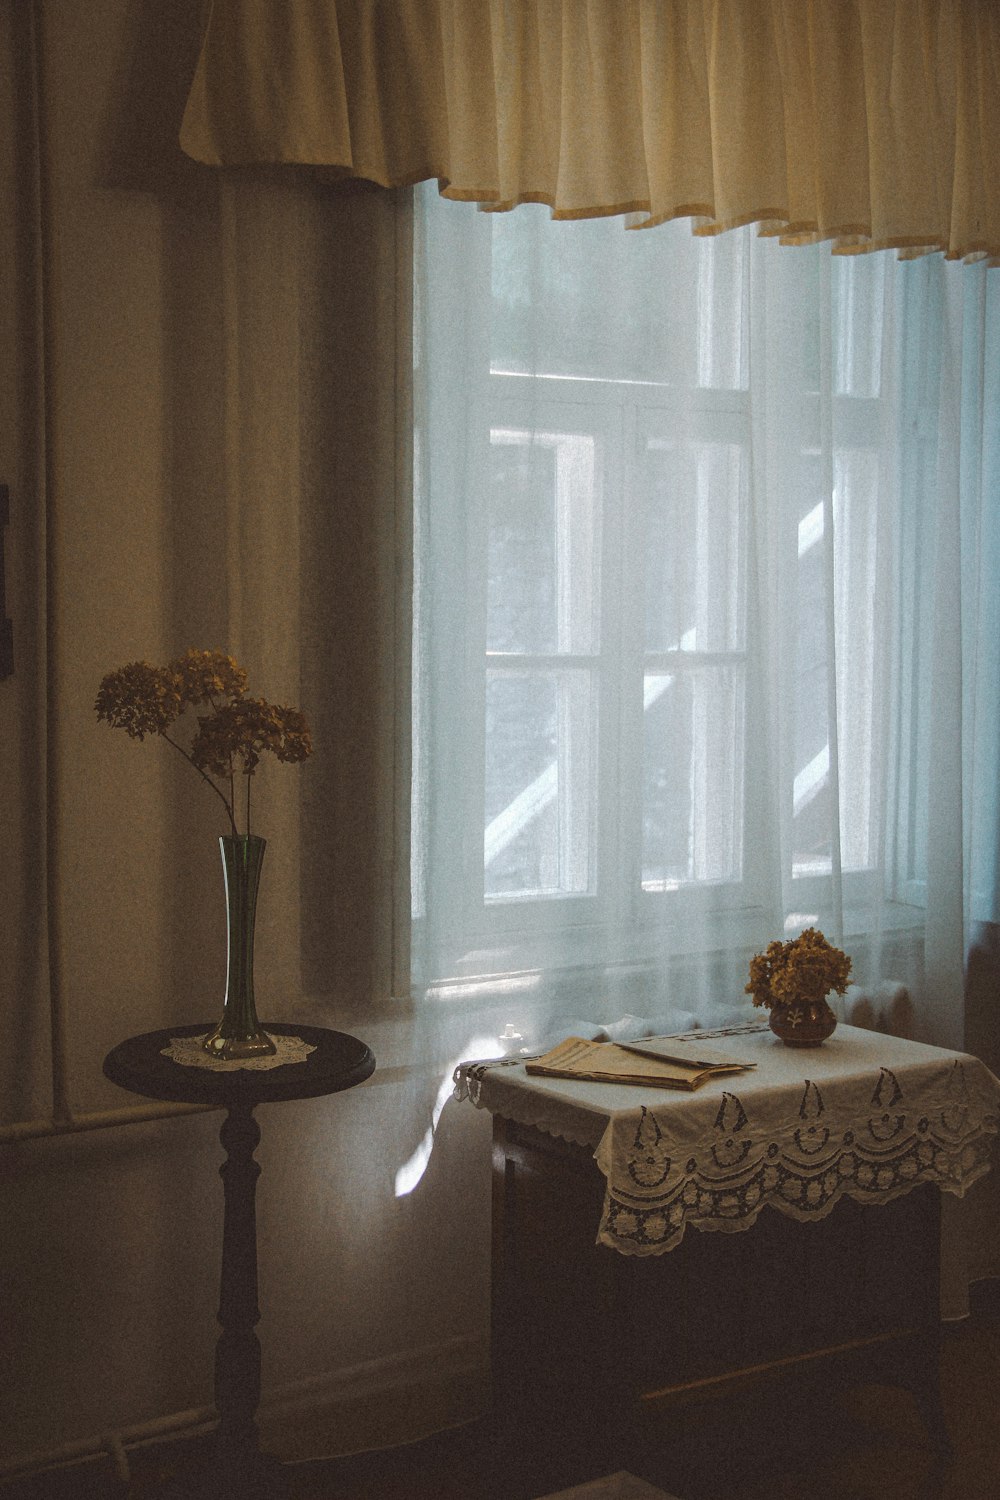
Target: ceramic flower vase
(238,1034)
(802,1023)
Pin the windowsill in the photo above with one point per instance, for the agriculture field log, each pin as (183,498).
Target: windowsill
(521,955)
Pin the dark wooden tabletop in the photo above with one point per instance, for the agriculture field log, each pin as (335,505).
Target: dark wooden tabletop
(339,1062)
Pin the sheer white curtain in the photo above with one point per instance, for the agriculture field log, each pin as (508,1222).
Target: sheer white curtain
(706,629)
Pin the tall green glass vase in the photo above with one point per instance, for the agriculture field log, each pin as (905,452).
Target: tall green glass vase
(238,1034)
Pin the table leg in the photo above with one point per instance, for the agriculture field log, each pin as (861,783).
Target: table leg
(925,1383)
(237,1354)
(238,1470)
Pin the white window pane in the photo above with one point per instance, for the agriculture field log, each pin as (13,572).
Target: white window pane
(693,522)
(855,480)
(722,308)
(543,552)
(813,805)
(539,800)
(862,628)
(692,814)
(597,291)
(857,285)
(811,791)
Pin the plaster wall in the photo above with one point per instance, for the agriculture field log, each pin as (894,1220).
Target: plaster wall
(154,504)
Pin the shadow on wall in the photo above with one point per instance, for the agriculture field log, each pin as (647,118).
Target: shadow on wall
(140,147)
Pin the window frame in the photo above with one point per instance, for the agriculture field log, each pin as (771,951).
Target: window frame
(483,932)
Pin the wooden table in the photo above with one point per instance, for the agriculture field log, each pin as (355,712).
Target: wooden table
(591,1344)
(238,1470)
(591,1338)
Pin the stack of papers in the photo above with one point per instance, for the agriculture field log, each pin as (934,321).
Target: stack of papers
(654,1062)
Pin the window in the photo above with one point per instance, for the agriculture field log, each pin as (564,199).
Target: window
(650,655)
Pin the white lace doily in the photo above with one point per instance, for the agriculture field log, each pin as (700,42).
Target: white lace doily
(189,1051)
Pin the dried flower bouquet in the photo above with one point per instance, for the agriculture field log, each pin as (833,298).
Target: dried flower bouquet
(143,699)
(807,968)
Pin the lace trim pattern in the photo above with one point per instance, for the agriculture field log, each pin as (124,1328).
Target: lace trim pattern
(905,1135)
(187,1050)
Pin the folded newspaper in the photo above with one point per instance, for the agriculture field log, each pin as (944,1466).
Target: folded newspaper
(653,1062)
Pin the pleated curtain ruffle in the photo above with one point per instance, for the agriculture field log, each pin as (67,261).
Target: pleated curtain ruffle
(873,123)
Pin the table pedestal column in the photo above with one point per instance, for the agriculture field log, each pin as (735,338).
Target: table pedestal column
(237,1354)
(237,1470)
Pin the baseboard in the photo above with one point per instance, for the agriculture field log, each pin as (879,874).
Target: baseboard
(379,1403)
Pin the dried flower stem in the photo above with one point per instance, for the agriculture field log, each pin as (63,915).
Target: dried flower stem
(221,795)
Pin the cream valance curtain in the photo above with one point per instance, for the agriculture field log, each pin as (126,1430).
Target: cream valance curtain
(869,122)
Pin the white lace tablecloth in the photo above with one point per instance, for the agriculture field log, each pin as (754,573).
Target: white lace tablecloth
(865,1115)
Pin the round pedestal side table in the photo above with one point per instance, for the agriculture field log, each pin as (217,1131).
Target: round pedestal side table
(238,1470)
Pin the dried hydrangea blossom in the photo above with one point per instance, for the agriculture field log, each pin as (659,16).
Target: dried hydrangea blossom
(143,699)
(207,675)
(139,698)
(243,730)
(806,968)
